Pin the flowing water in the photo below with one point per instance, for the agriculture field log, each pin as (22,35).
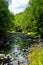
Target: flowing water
(20,46)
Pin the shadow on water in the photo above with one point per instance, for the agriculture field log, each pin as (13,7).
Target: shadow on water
(19,45)
(21,39)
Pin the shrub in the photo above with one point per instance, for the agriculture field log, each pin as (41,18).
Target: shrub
(36,56)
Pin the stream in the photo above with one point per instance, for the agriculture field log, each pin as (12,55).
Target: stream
(20,47)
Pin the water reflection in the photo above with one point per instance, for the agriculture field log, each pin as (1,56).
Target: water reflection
(17,44)
(16,54)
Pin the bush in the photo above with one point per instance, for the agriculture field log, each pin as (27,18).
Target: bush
(36,56)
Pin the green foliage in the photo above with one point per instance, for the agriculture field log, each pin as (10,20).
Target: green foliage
(32,18)
(6,18)
(19,21)
(21,44)
(36,13)
(36,56)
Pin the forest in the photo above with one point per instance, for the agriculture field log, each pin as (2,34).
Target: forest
(25,30)
(31,20)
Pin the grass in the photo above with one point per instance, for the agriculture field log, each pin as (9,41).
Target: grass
(36,56)
(32,33)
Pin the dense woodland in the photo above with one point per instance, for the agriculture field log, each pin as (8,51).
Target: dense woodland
(26,22)
(6,19)
(29,20)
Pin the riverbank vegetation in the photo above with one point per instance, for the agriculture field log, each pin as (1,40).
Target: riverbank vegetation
(6,20)
(28,24)
(36,55)
(31,19)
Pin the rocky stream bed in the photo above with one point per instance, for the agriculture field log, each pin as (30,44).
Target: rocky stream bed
(19,46)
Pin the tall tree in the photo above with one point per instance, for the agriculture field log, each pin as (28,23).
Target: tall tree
(6,18)
(35,15)
(6,21)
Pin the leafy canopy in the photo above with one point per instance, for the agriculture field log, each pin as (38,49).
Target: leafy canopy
(6,17)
